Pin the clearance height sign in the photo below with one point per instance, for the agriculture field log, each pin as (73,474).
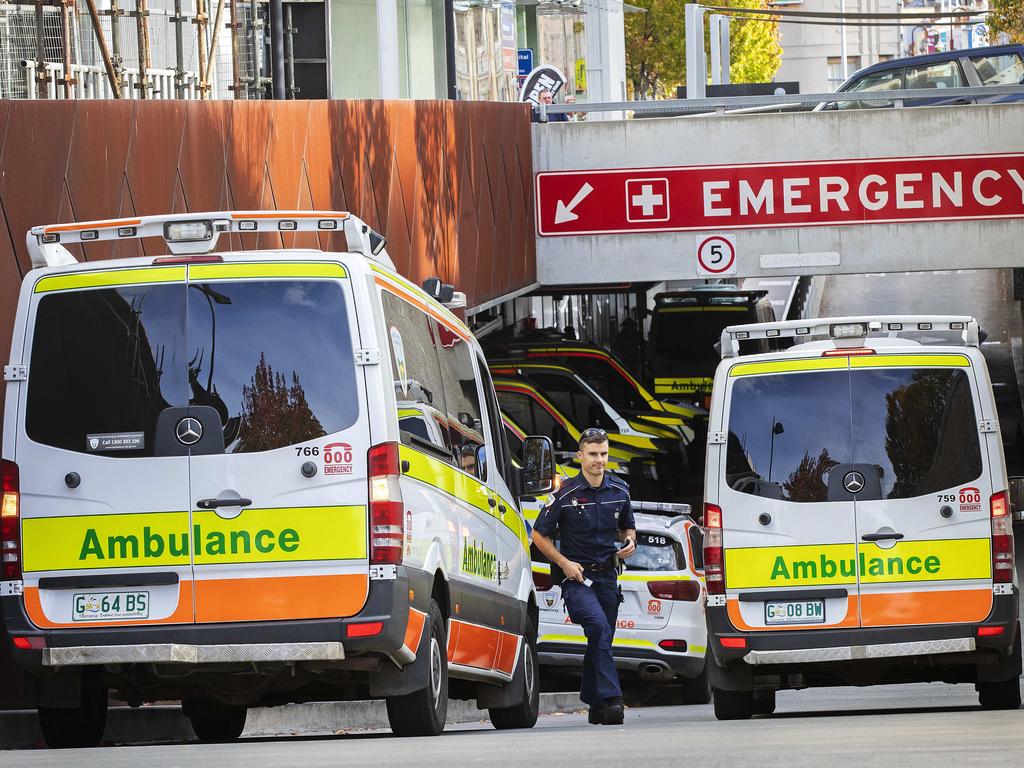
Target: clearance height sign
(826,193)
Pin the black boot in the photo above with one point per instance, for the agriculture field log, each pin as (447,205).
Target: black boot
(595,716)
(613,713)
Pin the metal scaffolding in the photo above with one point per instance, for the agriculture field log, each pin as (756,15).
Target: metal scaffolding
(146,49)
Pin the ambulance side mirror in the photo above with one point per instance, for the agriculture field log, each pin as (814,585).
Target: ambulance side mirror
(538,466)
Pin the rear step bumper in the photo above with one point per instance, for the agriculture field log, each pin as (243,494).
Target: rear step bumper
(172,653)
(784,647)
(626,659)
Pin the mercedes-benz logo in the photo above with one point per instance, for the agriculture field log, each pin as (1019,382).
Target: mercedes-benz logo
(188,431)
(854,482)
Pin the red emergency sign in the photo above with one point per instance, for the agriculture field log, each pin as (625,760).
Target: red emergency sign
(821,193)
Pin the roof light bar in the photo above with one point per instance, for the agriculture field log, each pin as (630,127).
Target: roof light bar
(197,233)
(849,332)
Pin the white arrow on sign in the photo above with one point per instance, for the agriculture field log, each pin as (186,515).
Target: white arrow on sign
(563,212)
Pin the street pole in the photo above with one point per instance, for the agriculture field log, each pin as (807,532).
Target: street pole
(842,39)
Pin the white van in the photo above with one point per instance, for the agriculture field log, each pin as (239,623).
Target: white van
(857,519)
(237,479)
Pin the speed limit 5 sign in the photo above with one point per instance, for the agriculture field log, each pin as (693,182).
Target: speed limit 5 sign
(716,255)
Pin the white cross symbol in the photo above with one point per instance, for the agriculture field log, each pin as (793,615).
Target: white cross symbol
(647,200)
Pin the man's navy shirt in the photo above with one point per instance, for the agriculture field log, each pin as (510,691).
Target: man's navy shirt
(587,519)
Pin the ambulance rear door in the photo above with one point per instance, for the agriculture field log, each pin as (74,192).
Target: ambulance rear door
(279,496)
(788,529)
(923,516)
(104,490)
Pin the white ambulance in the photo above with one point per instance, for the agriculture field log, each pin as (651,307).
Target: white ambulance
(247,478)
(857,520)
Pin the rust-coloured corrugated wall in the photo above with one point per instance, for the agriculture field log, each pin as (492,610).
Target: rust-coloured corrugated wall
(448,183)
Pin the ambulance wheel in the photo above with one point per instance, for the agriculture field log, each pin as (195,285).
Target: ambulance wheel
(214,722)
(1005,694)
(764,702)
(424,712)
(524,714)
(733,705)
(697,690)
(80,726)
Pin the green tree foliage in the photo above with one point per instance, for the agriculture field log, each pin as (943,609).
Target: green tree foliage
(1007,16)
(656,47)
(275,414)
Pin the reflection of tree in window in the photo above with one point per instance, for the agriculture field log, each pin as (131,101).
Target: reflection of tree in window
(807,482)
(275,413)
(931,439)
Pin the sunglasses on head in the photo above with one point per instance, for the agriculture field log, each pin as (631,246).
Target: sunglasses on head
(590,434)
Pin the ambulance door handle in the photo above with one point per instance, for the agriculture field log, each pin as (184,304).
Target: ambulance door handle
(215,503)
(882,536)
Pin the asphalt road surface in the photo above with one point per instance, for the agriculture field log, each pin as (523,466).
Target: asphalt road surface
(884,726)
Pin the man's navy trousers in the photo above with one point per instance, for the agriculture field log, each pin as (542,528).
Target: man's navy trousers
(595,608)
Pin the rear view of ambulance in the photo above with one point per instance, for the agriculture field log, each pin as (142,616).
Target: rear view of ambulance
(857,519)
(247,478)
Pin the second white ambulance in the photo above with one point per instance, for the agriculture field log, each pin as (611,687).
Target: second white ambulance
(858,528)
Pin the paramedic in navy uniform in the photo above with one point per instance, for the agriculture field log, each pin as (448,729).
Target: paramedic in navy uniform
(590,514)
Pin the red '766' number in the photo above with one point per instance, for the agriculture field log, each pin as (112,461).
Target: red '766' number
(338,453)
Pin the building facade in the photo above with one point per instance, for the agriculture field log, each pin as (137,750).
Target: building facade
(812,53)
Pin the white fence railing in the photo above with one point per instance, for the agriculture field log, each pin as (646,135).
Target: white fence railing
(91,82)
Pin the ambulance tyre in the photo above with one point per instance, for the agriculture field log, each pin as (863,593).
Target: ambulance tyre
(424,712)
(733,705)
(697,690)
(764,702)
(524,714)
(80,726)
(1004,694)
(214,722)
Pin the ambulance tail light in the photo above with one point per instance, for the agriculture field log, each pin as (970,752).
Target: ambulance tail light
(10,522)
(714,557)
(688,591)
(1002,538)
(542,580)
(387,510)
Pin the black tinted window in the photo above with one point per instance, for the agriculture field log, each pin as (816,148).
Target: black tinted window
(689,334)
(462,401)
(655,552)
(106,362)
(918,427)
(419,388)
(573,400)
(534,420)
(607,382)
(786,432)
(697,547)
(274,358)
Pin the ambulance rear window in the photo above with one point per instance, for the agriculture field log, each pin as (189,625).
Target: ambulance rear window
(273,358)
(916,426)
(656,552)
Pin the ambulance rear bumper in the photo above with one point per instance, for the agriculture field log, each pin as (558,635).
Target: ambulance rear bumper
(776,647)
(291,641)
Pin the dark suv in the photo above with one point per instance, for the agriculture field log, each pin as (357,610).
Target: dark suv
(966,68)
